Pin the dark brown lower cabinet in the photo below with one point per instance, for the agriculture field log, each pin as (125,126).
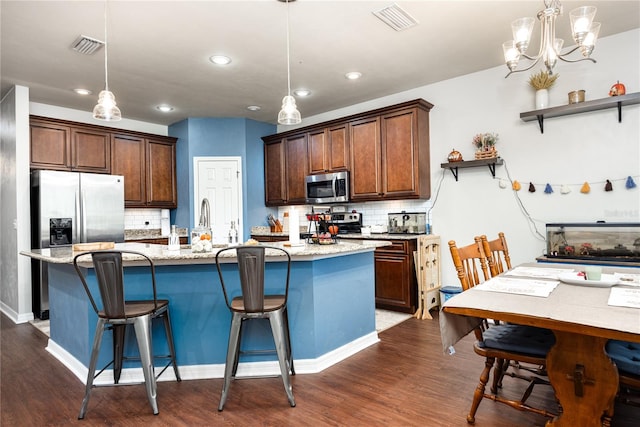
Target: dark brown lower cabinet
(396,283)
(267,239)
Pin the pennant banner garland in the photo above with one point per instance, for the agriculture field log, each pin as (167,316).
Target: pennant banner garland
(585,188)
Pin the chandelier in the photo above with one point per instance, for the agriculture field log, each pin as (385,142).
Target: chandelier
(106,108)
(585,33)
(289,114)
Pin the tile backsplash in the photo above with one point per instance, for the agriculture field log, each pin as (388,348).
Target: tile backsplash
(373,213)
(141,219)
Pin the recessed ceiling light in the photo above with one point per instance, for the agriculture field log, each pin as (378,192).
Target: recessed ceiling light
(220,59)
(353,75)
(80,91)
(302,92)
(164,108)
(254,108)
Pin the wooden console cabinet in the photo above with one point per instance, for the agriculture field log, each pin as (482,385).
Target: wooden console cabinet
(147,162)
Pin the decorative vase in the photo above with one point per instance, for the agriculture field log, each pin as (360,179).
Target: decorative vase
(542,99)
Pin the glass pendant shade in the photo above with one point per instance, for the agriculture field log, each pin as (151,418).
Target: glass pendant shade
(106,108)
(581,19)
(589,41)
(522,29)
(289,114)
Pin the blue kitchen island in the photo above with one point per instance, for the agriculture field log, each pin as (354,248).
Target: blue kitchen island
(331,309)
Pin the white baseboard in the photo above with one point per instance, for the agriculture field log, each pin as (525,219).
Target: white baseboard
(14,315)
(199,372)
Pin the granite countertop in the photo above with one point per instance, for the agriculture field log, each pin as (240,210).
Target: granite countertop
(379,236)
(151,233)
(161,256)
(265,232)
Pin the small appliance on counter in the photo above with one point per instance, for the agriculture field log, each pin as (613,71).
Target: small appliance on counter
(407,223)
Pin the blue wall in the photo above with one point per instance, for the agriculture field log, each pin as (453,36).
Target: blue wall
(199,137)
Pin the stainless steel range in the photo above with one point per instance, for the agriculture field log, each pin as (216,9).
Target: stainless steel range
(347,222)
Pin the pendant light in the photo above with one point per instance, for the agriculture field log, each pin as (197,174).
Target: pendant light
(289,114)
(106,108)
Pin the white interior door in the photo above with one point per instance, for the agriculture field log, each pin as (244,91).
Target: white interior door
(219,179)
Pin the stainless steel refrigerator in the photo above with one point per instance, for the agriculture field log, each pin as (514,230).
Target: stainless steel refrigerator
(67,208)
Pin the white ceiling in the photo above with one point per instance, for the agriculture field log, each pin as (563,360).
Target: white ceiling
(159,50)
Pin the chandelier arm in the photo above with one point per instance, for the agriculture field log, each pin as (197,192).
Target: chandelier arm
(569,52)
(578,60)
(524,69)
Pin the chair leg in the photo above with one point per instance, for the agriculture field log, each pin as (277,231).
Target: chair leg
(236,359)
(288,341)
(279,336)
(498,373)
(142,327)
(95,350)
(232,355)
(172,350)
(118,350)
(479,392)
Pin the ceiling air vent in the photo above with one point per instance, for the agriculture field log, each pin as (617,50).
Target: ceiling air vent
(395,17)
(86,45)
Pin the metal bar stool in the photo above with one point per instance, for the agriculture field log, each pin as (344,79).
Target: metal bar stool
(253,303)
(116,313)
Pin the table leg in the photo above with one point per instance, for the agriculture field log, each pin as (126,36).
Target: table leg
(584,379)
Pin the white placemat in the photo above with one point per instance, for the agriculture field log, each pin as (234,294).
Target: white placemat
(536,288)
(539,272)
(624,297)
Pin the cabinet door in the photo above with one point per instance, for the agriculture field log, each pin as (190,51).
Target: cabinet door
(91,150)
(396,282)
(128,159)
(391,281)
(296,170)
(338,147)
(318,148)
(274,174)
(50,146)
(399,154)
(366,178)
(161,174)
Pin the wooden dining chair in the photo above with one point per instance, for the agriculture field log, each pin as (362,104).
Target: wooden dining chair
(497,253)
(499,261)
(499,341)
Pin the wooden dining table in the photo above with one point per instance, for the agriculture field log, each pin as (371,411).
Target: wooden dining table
(582,317)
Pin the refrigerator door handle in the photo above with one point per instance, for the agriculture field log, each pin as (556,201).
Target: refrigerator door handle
(83,222)
(77,233)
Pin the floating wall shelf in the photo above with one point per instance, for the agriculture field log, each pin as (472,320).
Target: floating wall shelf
(582,107)
(491,163)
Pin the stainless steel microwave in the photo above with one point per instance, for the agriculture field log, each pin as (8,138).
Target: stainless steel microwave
(327,188)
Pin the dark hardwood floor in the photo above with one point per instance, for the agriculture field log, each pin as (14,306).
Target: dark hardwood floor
(405,380)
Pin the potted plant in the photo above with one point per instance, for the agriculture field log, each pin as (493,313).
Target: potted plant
(485,145)
(541,82)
